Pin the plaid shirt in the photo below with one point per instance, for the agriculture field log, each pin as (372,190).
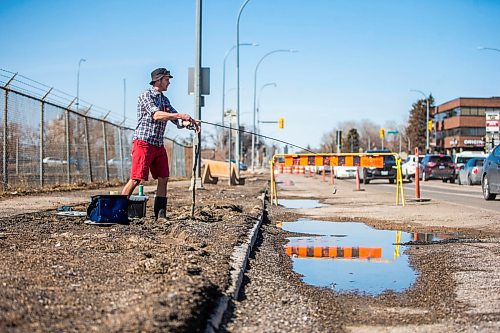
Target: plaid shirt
(148,129)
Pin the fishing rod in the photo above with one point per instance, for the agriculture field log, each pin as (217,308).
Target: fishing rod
(251,133)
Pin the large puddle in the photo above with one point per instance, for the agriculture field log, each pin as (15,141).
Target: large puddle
(348,256)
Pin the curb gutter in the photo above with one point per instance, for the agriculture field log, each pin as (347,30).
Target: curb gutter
(239,259)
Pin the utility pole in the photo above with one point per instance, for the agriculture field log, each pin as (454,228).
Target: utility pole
(197,95)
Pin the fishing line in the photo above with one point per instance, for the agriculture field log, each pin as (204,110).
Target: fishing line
(251,133)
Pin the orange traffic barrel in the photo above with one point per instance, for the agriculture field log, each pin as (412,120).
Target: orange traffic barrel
(301,170)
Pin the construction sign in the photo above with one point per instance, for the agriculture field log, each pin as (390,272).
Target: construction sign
(362,160)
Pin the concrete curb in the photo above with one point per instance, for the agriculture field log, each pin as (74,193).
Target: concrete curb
(239,259)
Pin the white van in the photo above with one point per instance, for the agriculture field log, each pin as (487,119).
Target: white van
(409,166)
(460,159)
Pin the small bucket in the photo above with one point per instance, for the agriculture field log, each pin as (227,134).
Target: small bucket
(137,206)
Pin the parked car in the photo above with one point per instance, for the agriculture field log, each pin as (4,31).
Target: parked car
(438,167)
(491,175)
(471,173)
(243,166)
(345,171)
(319,169)
(54,161)
(117,162)
(388,171)
(461,158)
(409,166)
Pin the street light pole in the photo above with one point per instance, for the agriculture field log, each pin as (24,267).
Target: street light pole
(77,119)
(238,143)
(426,119)
(78,84)
(254,98)
(224,81)
(258,103)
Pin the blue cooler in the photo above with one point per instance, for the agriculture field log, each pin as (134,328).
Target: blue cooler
(105,208)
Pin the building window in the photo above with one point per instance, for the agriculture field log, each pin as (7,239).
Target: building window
(440,116)
(455,112)
(466,111)
(462,131)
(481,112)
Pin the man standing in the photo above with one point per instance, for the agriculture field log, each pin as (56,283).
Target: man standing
(148,151)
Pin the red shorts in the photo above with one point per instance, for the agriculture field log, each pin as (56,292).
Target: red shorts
(146,157)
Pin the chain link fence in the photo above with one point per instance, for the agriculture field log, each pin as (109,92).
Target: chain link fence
(45,139)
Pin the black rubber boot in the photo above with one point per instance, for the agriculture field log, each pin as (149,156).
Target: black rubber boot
(160,208)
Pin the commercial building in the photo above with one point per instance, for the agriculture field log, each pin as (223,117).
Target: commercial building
(460,124)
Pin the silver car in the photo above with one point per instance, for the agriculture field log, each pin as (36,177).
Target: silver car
(471,172)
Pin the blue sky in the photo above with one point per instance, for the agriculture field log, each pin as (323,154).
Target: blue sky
(357,59)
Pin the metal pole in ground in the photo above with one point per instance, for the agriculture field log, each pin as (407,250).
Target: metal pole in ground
(40,152)
(5,134)
(5,156)
(106,169)
(68,145)
(417,176)
(331,175)
(120,143)
(358,186)
(42,141)
(87,146)
(196,149)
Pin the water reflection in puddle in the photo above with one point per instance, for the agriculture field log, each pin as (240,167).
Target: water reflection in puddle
(300,203)
(350,256)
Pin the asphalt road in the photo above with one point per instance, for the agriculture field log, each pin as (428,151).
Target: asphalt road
(462,195)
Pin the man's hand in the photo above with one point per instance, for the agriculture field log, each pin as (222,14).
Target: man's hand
(184,117)
(192,125)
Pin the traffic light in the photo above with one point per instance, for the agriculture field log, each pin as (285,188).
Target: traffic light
(429,126)
(281,122)
(382,133)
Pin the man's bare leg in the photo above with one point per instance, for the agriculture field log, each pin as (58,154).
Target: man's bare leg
(129,188)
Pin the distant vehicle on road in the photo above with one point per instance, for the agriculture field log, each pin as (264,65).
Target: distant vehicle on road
(243,166)
(461,158)
(344,171)
(409,166)
(54,161)
(490,182)
(472,172)
(438,167)
(388,171)
(117,162)
(319,169)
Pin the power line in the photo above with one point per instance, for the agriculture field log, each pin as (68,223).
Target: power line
(263,136)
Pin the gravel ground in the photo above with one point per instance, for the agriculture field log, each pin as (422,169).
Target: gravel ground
(62,275)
